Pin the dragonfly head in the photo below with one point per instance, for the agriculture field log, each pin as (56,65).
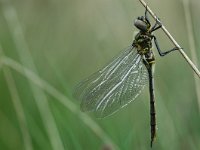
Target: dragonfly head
(142,24)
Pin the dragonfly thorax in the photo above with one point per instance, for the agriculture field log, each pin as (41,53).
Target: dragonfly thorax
(143,42)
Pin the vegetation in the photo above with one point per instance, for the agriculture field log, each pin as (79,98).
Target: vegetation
(47,47)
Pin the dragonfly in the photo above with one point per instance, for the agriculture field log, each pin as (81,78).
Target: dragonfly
(122,80)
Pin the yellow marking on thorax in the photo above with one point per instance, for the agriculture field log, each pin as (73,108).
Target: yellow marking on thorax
(152,62)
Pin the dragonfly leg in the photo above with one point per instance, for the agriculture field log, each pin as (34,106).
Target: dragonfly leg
(156,26)
(159,50)
(146,16)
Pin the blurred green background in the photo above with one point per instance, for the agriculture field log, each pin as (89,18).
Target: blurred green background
(61,42)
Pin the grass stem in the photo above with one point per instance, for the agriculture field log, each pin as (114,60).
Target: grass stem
(31,76)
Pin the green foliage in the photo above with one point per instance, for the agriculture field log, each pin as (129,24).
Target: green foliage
(49,46)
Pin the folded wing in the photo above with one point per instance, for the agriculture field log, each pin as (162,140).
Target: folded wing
(115,85)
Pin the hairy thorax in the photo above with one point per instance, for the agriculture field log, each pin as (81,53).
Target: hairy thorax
(143,42)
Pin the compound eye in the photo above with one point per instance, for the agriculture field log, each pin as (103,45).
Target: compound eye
(140,24)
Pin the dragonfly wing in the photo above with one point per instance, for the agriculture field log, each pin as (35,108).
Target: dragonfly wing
(114,86)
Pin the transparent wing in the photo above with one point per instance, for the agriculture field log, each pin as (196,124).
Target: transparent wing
(114,86)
